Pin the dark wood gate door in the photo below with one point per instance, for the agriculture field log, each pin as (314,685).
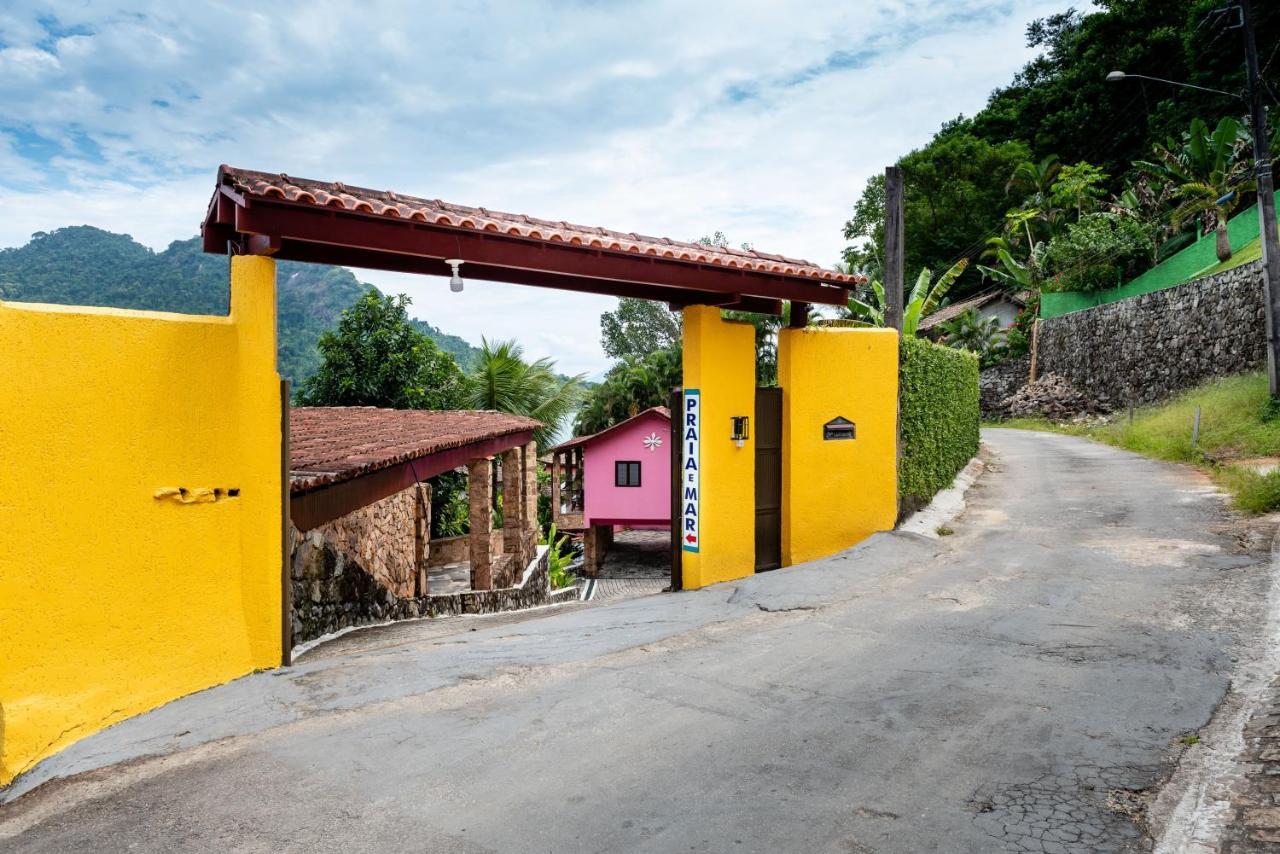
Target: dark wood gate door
(768,439)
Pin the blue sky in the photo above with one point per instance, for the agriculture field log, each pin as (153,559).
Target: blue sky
(761,120)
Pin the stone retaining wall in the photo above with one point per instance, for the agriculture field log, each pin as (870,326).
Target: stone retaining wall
(998,382)
(332,591)
(458,549)
(1143,349)
(382,537)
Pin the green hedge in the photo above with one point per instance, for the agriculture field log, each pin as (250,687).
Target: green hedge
(939,419)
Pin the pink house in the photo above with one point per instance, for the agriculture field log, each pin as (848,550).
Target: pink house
(620,476)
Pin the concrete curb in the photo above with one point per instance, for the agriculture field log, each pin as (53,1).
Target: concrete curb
(947,504)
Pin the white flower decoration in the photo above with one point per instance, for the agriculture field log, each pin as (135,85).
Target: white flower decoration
(653,441)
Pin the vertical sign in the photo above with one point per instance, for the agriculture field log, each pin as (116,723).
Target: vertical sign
(689,474)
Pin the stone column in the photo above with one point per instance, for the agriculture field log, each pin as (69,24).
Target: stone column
(529,501)
(512,508)
(480,504)
(421,537)
(592,550)
(555,486)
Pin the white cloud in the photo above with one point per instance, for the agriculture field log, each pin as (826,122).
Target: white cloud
(619,115)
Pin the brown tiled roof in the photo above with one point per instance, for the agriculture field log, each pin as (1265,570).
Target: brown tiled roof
(582,440)
(950,312)
(397,206)
(329,444)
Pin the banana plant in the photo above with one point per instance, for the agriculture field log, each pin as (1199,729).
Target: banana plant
(925,297)
(1009,271)
(1208,172)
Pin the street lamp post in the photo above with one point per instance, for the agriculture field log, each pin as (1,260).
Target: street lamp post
(1266,188)
(1266,199)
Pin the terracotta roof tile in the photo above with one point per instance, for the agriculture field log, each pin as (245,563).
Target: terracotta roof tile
(582,440)
(396,205)
(330,444)
(949,312)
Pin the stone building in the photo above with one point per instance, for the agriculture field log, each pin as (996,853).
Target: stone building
(360,515)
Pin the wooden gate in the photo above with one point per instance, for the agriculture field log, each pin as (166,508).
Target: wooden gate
(768,440)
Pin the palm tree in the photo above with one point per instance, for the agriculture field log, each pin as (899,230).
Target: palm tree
(926,295)
(1034,182)
(969,331)
(503,381)
(1208,173)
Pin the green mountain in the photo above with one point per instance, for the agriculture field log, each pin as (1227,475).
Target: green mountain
(462,352)
(83,265)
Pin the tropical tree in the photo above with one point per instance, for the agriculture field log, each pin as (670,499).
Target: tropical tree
(637,327)
(1080,185)
(634,384)
(1017,225)
(1146,201)
(970,331)
(503,381)
(1032,181)
(1208,172)
(376,357)
(1008,271)
(925,297)
(1100,251)
(954,190)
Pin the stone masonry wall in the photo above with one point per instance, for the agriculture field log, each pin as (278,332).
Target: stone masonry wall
(381,538)
(332,591)
(458,549)
(1143,349)
(999,381)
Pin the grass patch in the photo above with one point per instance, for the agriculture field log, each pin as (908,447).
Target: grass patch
(1236,424)
(1251,251)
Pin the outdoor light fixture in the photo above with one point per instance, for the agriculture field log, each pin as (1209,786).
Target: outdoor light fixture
(741,429)
(1119,76)
(455,281)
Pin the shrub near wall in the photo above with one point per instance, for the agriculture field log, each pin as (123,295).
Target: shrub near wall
(938,420)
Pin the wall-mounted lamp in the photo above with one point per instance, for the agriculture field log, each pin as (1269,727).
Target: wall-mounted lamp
(455,281)
(741,429)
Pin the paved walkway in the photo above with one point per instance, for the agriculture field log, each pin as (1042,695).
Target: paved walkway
(637,564)
(1026,684)
(1254,821)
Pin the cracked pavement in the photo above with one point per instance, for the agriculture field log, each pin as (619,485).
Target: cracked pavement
(1022,685)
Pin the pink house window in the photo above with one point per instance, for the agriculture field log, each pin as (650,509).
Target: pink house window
(626,473)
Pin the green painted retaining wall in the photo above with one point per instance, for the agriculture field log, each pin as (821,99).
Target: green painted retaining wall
(1182,267)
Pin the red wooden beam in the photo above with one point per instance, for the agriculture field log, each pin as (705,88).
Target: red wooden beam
(350,257)
(304,227)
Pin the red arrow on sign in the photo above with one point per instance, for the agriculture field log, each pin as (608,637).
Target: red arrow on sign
(690,538)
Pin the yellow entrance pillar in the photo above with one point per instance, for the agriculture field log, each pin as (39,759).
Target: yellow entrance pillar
(839,438)
(141,492)
(718,477)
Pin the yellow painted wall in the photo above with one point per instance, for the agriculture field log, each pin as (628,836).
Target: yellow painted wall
(836,493)
(720,361)
(114,600)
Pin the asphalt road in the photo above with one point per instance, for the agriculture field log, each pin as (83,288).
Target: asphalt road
(1020,685)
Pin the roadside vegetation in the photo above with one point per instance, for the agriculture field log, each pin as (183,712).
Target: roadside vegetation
(1239,430)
